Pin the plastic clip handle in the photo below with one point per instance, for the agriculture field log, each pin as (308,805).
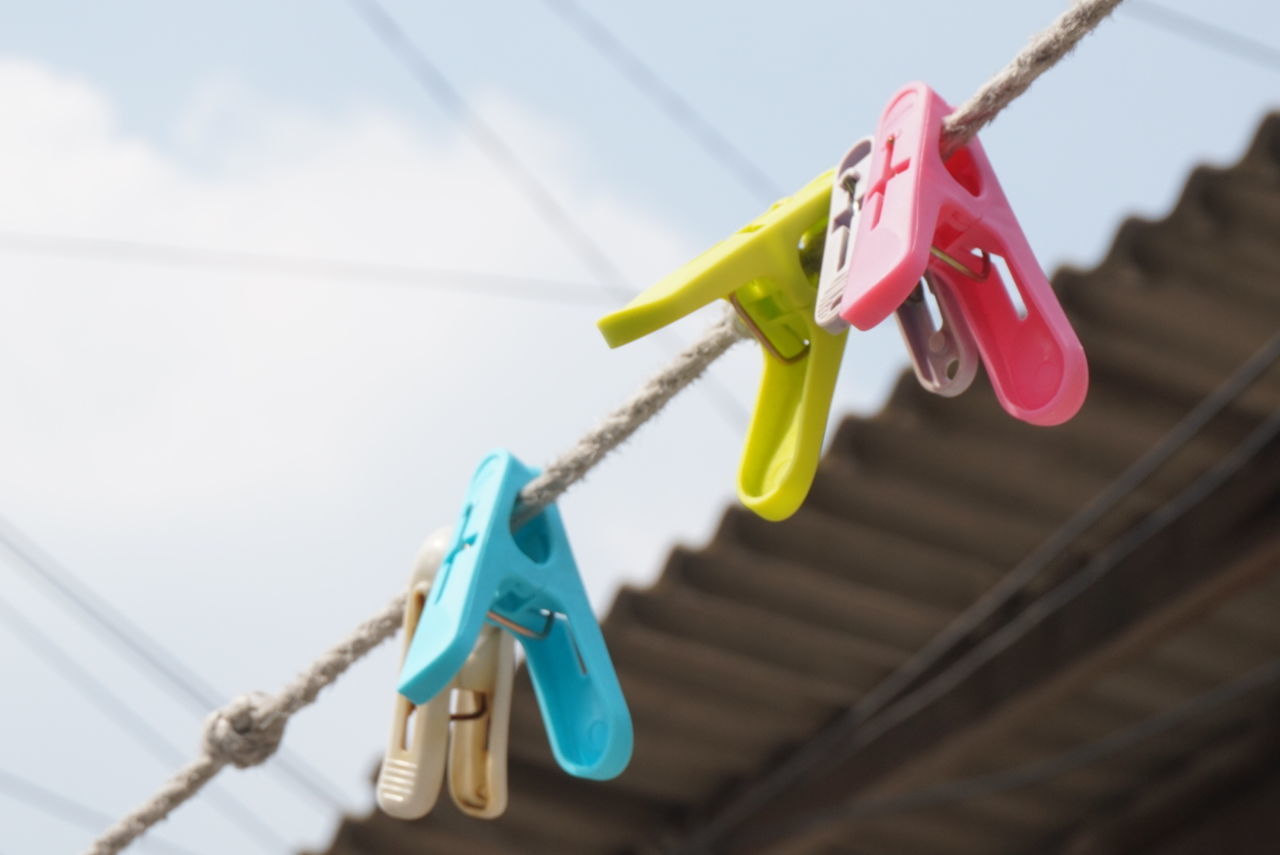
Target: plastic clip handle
(1036,364)
(479,725)
(899,214)
(784,443)
(944,356)
(582,705)
(413,765)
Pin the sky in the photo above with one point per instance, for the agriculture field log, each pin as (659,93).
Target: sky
(245,463)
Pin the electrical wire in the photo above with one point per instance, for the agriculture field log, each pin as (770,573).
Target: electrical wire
(505,157)
(1059,597)
(103,700)
(667,99)
(1194,495)
(1041,771)
(67,810)
(171,674)
(1040,559)
(1205,33)
(173,255)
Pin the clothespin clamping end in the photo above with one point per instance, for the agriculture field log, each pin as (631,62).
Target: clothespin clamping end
(464,727)
(525,581)
(760,270)
(945,221)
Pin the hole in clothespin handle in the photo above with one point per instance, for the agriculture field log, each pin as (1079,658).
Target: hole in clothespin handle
(964,170)
(1010,287)
(406,735)
(533,536)
(931,303)
(467,705)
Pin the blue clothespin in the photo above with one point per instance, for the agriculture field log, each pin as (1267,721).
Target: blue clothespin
(526,582)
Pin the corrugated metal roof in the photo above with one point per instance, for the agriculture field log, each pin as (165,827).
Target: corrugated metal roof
(748,646)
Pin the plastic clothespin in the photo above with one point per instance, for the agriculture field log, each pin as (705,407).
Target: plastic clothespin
(921,214)
(848,186)
(527,582)
(759,270)
(944,355)
(464,726)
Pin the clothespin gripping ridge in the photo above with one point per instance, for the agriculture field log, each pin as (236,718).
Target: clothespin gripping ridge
(529,580)
(760,272)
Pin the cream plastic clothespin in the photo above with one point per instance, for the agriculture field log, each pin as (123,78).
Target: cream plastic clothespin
(465,726)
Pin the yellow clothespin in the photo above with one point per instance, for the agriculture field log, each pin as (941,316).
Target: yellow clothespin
(465,725)
(759,270)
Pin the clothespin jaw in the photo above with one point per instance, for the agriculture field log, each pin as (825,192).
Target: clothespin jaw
(759,271)
(413,765)
(921,213)
(528,582)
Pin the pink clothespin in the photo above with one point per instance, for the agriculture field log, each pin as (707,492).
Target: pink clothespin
(923,215)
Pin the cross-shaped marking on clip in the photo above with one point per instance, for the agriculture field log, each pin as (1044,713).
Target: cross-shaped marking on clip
(888,171)
(462,540)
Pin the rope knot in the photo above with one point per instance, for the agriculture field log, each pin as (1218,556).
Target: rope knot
(245,732)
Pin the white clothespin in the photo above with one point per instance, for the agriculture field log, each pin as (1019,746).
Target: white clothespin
(466,724)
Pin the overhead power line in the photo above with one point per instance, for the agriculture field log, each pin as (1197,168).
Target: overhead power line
(668,99)
(505,157)
(1038,772)
(1206,33)
(102,699)
(180,681)
(235,261)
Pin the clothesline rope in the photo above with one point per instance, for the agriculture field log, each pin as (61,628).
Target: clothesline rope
(1043,52)
(248,730)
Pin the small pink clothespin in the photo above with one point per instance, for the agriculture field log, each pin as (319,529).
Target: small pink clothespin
(922,215)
